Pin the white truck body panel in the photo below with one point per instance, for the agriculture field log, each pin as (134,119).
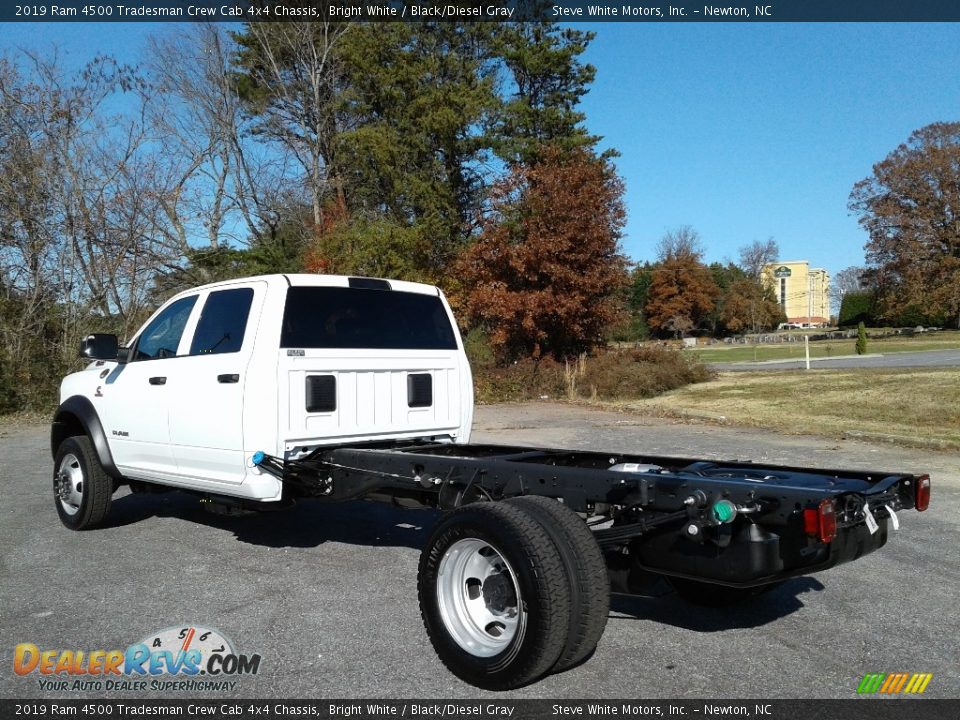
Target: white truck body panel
(372,396)
(194,420)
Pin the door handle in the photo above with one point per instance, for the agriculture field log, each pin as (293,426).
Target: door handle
(228,378)
(158,381)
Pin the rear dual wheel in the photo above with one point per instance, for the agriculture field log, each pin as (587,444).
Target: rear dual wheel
(586,573)
(511,591)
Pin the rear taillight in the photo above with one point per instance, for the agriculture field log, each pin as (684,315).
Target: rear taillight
(821,522)
(921,493)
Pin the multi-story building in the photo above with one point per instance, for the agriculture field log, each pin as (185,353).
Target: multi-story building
(803,292)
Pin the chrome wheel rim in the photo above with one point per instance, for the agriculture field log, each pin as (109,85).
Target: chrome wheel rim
(478,597)
(68,484)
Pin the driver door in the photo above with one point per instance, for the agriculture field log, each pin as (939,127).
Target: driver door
(135,402)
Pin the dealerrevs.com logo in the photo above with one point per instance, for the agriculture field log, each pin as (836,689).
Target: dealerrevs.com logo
(188,658)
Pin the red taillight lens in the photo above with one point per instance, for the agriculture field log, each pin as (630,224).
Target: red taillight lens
(821,522)
(828,521)
(921,497)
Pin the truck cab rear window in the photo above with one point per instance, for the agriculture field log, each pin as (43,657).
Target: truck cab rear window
(352,318)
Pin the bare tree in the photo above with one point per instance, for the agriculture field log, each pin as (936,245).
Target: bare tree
(109,181)
(757,255)
(106,194)
(290,76)
(28,249)
(850,279)
(219,184)
(194,114)
(80,197)
(684,242)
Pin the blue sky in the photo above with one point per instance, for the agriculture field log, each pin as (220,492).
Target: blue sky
(747,131)
(743,131)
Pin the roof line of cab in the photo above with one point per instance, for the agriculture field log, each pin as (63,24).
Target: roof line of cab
(318,280)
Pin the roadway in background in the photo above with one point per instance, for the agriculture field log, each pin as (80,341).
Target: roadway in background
(924,359)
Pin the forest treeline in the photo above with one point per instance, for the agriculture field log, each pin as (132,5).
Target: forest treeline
(455,154)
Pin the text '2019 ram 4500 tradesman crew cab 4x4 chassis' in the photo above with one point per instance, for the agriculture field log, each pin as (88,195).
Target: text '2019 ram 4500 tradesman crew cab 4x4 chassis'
(253,393)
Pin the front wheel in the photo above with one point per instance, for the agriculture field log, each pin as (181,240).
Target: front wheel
(494,596)
(81,488)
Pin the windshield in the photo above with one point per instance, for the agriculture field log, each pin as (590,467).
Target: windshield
(352,318)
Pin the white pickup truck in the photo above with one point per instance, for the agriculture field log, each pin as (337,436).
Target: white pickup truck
(258,392)
(278,364)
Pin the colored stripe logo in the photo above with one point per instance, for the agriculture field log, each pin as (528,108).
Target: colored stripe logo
(894,683)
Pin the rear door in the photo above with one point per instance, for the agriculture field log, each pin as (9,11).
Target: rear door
(206,399)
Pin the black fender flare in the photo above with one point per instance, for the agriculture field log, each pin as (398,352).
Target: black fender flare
(77,414)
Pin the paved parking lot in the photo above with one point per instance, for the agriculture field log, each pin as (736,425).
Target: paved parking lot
(327,594)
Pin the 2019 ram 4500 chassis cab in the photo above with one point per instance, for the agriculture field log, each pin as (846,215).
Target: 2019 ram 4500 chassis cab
(255,392)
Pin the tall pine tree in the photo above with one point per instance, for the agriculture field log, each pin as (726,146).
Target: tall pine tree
(545,82)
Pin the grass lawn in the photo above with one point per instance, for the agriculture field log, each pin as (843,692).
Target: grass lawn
(825,348)
(909,407)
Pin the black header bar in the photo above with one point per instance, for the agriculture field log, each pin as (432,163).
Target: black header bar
(481,10)
(893,708)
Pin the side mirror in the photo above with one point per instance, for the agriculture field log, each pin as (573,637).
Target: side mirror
(123,355)
(99,346)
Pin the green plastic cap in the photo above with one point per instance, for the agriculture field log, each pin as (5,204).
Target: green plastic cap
(724,511)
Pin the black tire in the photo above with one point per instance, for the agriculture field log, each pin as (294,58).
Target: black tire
(586,575)
(715,596)
(81,489)
(523,593)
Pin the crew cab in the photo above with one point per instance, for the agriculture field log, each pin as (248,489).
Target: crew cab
(259,392)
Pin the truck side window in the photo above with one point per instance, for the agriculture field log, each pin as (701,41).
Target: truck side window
(162,336)
(222,322)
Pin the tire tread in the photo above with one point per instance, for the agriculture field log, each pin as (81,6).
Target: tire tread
(587,576)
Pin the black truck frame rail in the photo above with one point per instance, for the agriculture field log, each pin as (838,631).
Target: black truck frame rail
(727,522)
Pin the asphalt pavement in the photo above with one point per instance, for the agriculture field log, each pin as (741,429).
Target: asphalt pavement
(327,594)
(925,359)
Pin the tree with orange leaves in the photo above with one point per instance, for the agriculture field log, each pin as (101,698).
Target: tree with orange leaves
(682,292)
(910,207)
(543,276)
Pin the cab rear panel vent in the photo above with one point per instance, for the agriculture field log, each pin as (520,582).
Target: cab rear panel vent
(321,393)
(420,390)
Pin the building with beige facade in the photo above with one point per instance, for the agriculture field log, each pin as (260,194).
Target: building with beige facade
(802,291)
